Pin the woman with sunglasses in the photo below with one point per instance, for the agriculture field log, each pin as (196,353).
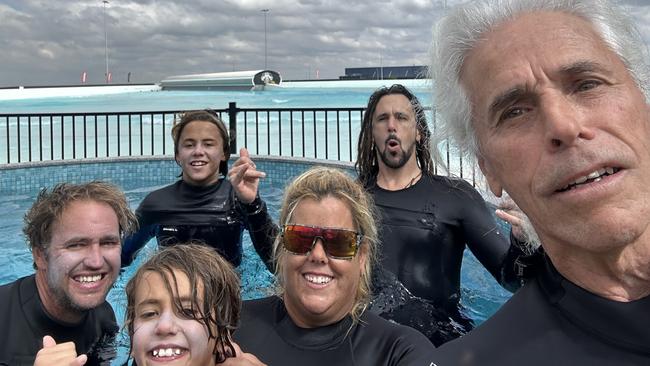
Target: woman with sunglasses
(324,256)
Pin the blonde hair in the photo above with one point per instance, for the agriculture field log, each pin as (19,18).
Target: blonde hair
(318,183)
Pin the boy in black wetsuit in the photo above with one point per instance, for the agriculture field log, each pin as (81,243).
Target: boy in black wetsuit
(426,220)
(552,99)
(74,233)
(203,205)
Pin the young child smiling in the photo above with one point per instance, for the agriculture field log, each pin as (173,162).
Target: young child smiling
(183,304)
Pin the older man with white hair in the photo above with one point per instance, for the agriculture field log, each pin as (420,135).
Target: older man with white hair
(552,98)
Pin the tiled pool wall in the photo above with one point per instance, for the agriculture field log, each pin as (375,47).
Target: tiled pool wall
(133,173)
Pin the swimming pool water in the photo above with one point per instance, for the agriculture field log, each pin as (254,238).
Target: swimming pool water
(481,295)
(290,97)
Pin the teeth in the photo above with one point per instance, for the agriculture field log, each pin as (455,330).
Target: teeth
(595,176)
(166,352)
(88,279)
(318,279)
(197,163)
(580,180)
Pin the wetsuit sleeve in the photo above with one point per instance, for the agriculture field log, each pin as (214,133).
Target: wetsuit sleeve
(413,349)
(519,265)
(134,242)
(500,256)
(261,228)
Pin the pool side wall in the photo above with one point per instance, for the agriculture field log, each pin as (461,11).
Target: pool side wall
(134,172)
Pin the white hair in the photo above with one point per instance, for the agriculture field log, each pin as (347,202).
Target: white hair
(462,28)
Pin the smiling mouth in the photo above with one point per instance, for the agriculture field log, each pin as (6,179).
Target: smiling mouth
(167,352)
(595,176)
(317,279)
(198,163)
(88,279)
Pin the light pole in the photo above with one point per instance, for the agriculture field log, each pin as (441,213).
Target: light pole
(265,11)
(381,65)
(105,40)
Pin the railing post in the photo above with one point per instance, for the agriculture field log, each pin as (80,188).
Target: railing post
(232,119)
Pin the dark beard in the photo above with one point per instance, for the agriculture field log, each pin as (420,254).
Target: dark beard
(385,157)
(61,297)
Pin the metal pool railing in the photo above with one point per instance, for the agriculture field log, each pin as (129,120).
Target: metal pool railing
(63,136)
(319,133)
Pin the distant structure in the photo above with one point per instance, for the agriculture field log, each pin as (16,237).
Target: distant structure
(385,72)
(244,80)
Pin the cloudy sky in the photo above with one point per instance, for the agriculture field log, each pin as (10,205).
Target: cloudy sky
(51,42)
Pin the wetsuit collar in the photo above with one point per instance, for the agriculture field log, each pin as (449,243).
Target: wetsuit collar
(411,185)
(195,188)
(42,316)
(625,324)
(318,339)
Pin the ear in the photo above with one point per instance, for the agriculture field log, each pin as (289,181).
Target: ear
(363,255)
(39,258)
(493,182)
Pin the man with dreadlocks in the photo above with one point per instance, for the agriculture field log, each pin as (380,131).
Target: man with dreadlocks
(427,220)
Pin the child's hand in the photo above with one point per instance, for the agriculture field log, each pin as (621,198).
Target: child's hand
(242,359)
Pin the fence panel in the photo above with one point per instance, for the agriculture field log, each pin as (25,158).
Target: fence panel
(319,133)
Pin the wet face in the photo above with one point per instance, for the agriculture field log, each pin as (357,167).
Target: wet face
(200,151)
(394,131)
(82,259)
(161,335)
(320,290)
(564,129)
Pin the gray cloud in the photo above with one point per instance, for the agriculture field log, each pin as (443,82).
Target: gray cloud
(54,41)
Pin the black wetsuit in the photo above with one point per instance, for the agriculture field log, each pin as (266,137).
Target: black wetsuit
(423,232)
(268,332)
(551,321)
(181,212)
(24,323)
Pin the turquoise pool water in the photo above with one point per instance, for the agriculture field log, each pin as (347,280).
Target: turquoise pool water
(289,97)
(481,295)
